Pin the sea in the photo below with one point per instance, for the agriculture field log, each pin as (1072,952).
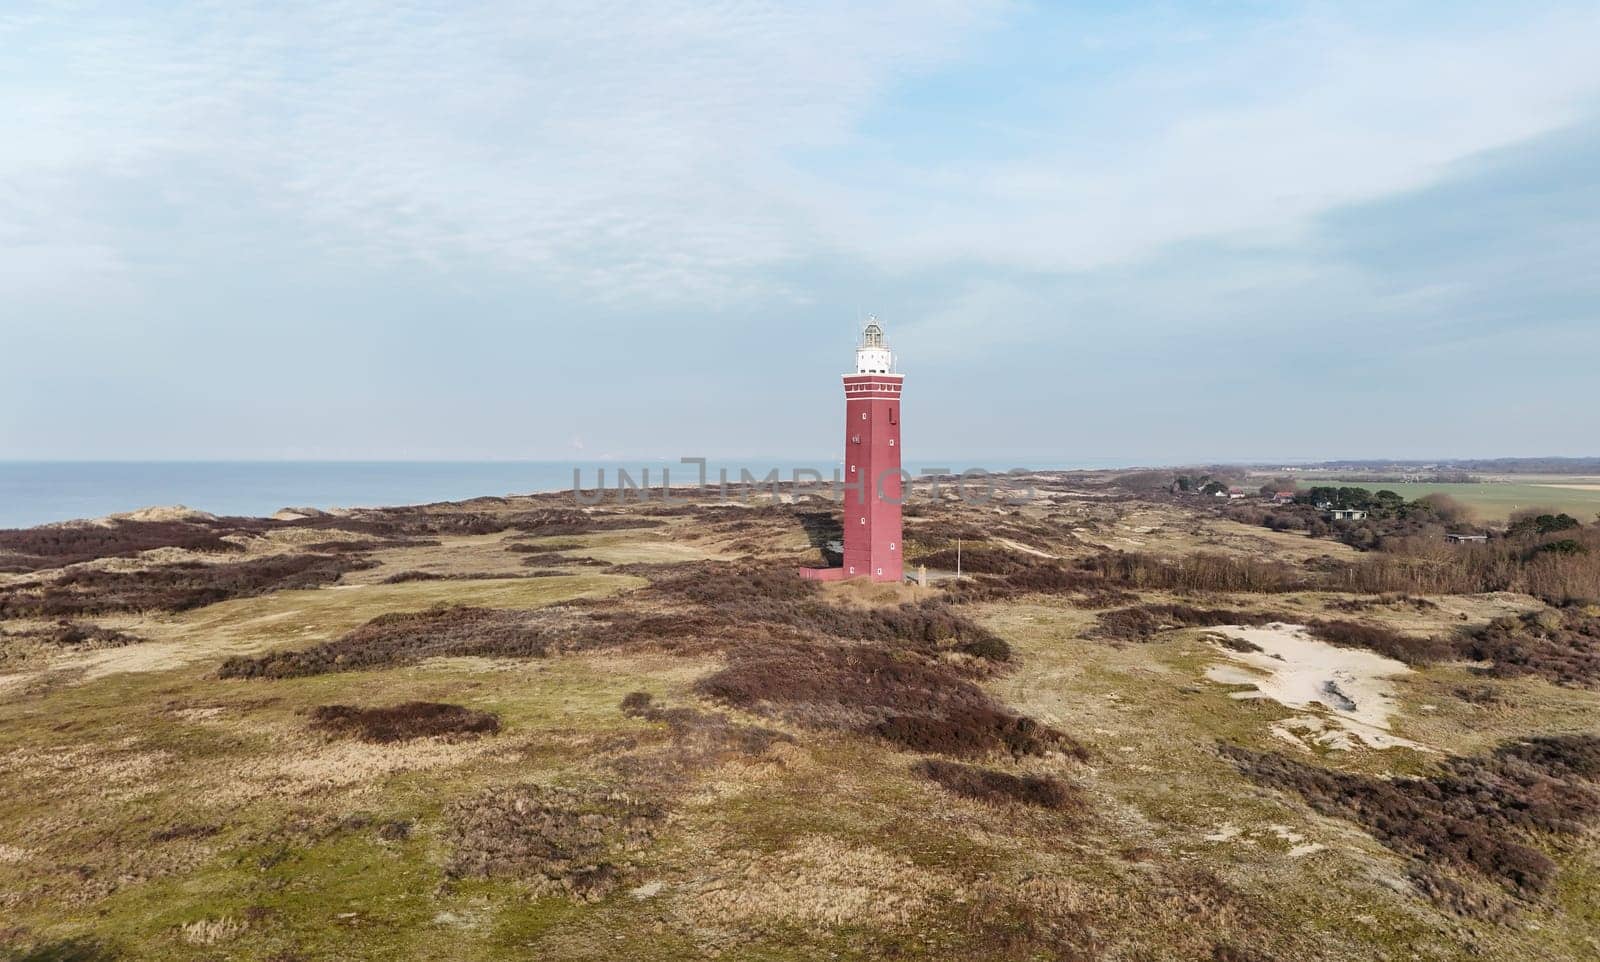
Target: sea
(42,492)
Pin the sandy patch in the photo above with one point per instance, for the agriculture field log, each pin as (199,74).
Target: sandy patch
(1345,691)
(1572,487)
(164,513)
(1019,546)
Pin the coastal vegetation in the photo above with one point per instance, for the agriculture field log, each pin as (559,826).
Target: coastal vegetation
(514,726)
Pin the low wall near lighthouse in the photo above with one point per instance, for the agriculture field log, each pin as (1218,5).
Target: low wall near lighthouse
(824,574)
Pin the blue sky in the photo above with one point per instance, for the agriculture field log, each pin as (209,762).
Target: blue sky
(1137,232)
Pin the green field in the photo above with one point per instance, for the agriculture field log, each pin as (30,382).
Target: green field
(1492,500)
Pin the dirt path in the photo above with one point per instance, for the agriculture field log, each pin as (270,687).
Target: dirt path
(1025,549)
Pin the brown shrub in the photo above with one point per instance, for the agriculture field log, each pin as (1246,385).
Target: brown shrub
(1239,644)
(573,842)
(518,547)
(557,560)
(978,558)
(173,587)
(403,722)
(404,638)
(1562,646)
(1106,576)
(1383,640)
(1382,601)
(733,583)
(34,549)
(1143,622)
(1455,896)
(184,830)
(1539,564)
(779,597)
(697,740)
(403,577)
(453,519)
(988,785)
(1480,813)
(703,612)
(1196,572)
(367,545)
(913,701)
(77,634)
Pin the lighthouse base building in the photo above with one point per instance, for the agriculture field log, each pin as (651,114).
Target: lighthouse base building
(872,482)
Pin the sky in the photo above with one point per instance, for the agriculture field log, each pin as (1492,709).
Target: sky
(1142,233)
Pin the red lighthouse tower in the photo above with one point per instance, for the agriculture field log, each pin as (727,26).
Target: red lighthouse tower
(873,485)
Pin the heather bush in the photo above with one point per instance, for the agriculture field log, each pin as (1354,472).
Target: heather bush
(698,740)
(1383,640)
(173,587)
(1142,622)
(403,722)
(977,558)
(1482,813)
(909,700)
(689,610)
(558,560)
(1560,646)
(447,519)
(34,549)
(77,634)
(403,638)
(988,785)
(404,577)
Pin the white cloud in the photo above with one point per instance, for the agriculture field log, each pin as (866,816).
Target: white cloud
(659,151)
(629,148)
(1324,116)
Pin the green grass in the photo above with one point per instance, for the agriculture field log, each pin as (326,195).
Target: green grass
(1490,500)
(163,743)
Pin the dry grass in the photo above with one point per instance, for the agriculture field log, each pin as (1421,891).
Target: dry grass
(138,795)
(577,843)
(817,883)
(213,931)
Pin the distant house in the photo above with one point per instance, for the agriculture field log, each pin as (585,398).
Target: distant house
(1346,514)
(1283,497)
(1235,493)
(1466,538)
